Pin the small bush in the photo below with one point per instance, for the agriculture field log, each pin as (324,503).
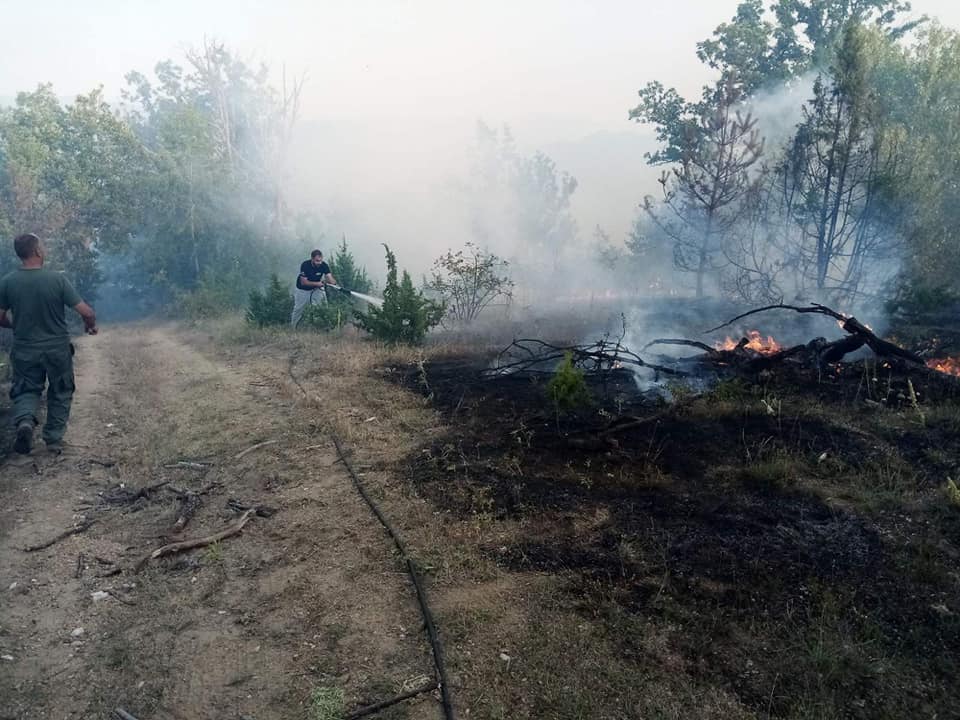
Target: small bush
(406,315)
(732,390)
(272,307)
(214,296)
(567,388)
(204,303)
(469,280)
(325,317)
(345,269)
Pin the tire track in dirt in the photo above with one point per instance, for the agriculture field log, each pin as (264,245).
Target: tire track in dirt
(308,599)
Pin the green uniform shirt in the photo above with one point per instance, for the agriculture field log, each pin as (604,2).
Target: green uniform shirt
(37,299)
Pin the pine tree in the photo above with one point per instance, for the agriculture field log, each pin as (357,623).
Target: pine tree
(406,315)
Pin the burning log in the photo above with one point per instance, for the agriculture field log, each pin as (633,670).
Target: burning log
(743,353)
(881,348)
(756,353)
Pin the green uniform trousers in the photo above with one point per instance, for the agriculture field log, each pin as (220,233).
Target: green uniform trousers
(33,367)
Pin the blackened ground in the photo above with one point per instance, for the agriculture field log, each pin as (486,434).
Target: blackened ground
(790,528)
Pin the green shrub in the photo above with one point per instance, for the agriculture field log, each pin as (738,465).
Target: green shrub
(567,388)
(326,316)
(272,307)
(730,390)
(207,301)
(406,315)
(344,268)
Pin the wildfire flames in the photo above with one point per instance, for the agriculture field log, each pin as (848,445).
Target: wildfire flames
(950,365)
(757,343)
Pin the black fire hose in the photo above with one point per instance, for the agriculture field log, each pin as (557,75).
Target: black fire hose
(417,584)
(428,620)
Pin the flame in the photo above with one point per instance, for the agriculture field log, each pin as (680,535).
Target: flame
(757,343)
(950,365)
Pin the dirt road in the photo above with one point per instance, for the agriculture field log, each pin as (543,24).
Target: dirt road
(265,624)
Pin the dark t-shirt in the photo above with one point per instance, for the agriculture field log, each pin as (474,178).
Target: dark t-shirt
(313,273)
(37,299)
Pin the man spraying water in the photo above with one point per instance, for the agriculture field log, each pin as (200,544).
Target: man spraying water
(314,274)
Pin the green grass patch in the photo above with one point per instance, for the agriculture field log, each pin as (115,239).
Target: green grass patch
(326,703)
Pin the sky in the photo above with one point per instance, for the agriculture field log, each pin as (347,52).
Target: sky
(395,87)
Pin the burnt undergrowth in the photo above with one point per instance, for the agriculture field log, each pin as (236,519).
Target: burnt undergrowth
(788,527)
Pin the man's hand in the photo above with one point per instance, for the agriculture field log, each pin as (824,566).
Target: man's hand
(89,318)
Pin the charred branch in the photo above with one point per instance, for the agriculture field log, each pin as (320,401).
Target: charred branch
(536,356)
(880,347)
(680,341)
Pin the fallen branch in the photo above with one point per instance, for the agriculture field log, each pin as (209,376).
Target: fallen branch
(850,324)
(191,503)
(255,447)
(601,357)
(632,423)
(76,530)
(371,709)
(263,511)
(120,597)
(675,341)
(814,308)
(185,545)
(107,463)
(126,496)
(189,465)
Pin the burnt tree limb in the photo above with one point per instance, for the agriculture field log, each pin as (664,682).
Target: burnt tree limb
(536,356)
(681,341)
(880,347)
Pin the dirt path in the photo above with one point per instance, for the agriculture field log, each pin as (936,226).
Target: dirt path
(265,624)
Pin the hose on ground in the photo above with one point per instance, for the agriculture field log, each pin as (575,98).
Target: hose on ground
(432,635)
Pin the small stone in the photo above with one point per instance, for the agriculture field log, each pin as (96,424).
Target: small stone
(99,595)
(77,632)
(8,658)
(505,657)
(141,684)
(13,586)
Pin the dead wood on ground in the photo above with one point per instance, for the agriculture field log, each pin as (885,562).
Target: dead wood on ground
(254,447)
(538,357)
(85,525)
(185,545)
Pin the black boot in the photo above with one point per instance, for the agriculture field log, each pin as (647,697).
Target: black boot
(24,442)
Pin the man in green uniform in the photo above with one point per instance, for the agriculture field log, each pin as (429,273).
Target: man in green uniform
(42,353)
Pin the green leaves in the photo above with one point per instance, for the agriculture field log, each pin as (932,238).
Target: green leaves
(469,280)
(406,315)
(344,268)
(272,307)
